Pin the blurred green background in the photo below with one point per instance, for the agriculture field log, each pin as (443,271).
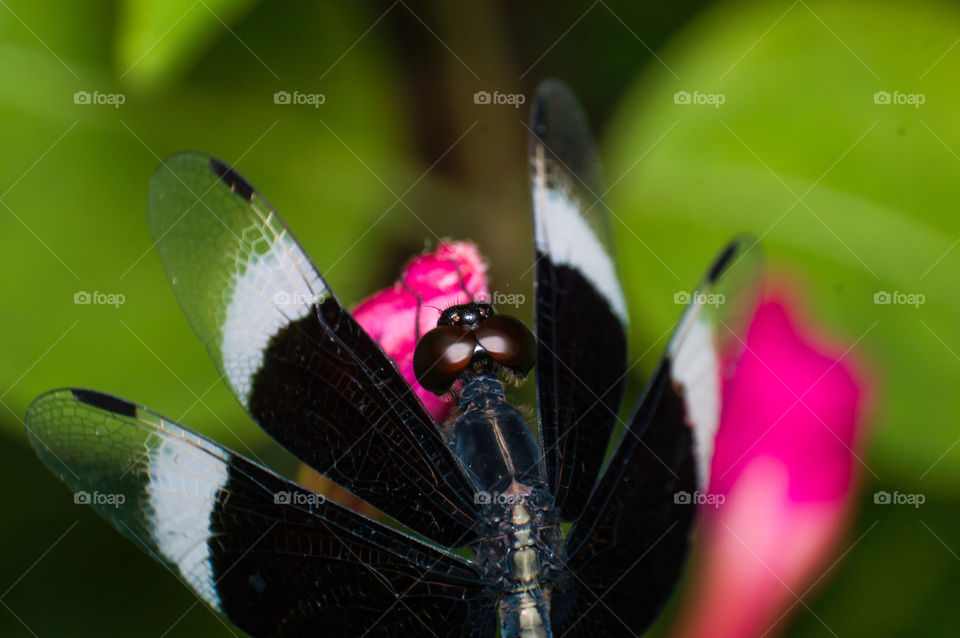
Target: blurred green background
(852,196)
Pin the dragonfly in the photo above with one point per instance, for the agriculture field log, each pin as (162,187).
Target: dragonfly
(578,528)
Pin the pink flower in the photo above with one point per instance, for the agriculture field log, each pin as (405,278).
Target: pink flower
(785,461)
(454,274)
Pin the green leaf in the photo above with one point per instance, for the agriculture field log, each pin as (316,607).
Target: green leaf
(851,196)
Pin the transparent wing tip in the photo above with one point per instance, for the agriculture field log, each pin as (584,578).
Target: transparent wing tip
(742,248)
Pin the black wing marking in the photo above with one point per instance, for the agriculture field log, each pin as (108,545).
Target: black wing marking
(629,548)
(274,558)
(579,380)
(294,357)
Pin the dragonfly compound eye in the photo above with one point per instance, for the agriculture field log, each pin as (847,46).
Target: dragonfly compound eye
(441,355)
(508,342)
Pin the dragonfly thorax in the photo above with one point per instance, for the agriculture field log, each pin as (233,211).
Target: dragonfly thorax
(493,442)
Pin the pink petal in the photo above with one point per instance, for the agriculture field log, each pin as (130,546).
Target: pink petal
(793,399)
(785,461)
(761,548)
(454,273)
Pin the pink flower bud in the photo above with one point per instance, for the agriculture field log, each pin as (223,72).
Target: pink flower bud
(455,273)
(785,461)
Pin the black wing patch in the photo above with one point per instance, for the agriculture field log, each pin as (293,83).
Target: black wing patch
(294,357)
(274,558)
(581,314)
(629,547)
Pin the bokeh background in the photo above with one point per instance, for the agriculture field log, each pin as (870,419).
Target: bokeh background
(836,141)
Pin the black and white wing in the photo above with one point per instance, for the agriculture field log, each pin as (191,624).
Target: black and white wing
(630,545)
(274,558)
(581,314)
(292,354)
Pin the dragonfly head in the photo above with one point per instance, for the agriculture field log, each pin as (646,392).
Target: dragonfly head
(472,339)
(467,315)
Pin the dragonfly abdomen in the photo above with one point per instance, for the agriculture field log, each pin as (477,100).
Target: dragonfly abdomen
(521,557)
(521,546)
